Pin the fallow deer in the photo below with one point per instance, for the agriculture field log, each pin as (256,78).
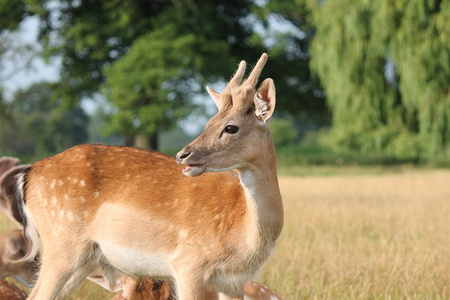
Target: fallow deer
(145,289)
(13,248)
(7,162)
(148,289)
(136,210)
(9,291)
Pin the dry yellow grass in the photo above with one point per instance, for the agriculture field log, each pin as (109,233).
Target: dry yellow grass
(364,237)
(357,237)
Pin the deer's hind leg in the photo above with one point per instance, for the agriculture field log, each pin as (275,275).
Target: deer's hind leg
(61,273)
(75,280)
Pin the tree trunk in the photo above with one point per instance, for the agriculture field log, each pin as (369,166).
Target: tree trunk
(128,140)
(148,141)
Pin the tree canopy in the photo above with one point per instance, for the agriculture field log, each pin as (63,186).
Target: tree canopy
(153,83)
(170,49)
(385,69)
(38,125)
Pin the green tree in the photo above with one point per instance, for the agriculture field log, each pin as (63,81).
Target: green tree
(97,39)
(4,108)
(289,30)
(40,126)
(91,36)
(420,48)
(283,132)
(12,12)
(152,85)
(406,113)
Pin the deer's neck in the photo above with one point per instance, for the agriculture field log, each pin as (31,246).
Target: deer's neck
(265,207)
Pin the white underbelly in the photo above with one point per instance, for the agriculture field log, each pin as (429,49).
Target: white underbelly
(137,263)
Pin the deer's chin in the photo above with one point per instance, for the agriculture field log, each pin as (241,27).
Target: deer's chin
(194,170)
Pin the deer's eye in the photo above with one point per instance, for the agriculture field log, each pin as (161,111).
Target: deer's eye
(231,129)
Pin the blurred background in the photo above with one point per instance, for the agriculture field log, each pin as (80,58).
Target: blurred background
(358,82)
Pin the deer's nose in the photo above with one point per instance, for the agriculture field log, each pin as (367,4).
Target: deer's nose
(182,155)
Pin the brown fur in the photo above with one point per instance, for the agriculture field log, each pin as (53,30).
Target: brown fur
(12,248)
(9,291)
(144,289)
(7,163)
(148,289)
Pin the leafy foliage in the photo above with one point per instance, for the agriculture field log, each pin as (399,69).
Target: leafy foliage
(420,47)
(150,59)
(380,69)
(147,43)
(283,132)
(11,13)
(288,43)
(152,85)
(355,45)
(40,126)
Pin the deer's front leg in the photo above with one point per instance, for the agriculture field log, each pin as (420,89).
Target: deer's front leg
(190,286)
(226,297)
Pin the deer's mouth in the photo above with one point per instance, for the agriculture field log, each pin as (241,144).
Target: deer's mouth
(194,169)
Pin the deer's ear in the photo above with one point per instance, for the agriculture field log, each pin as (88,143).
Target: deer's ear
(265,100)
(7,163)
(13,247)
(215,95)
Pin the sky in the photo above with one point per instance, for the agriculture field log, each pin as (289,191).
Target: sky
(14,75)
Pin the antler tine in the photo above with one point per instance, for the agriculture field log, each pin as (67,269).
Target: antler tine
(237,78)
(254,75)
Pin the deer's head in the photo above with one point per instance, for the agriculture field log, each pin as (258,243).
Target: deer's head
(13,247)
(239,133)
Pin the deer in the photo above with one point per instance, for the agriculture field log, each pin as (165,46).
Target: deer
(13,248)
(7,162)
(206,219)
(129,288)
(148,289)
(9,291)
(144,289)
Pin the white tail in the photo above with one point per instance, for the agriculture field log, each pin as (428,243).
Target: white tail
(133,210)
(8,196)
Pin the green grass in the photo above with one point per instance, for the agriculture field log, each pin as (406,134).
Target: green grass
(315,154)
(311,158)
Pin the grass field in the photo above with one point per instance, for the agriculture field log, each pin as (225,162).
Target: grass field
(370,235)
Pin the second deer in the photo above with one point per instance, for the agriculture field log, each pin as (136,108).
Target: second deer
(148,289)
(13,247)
